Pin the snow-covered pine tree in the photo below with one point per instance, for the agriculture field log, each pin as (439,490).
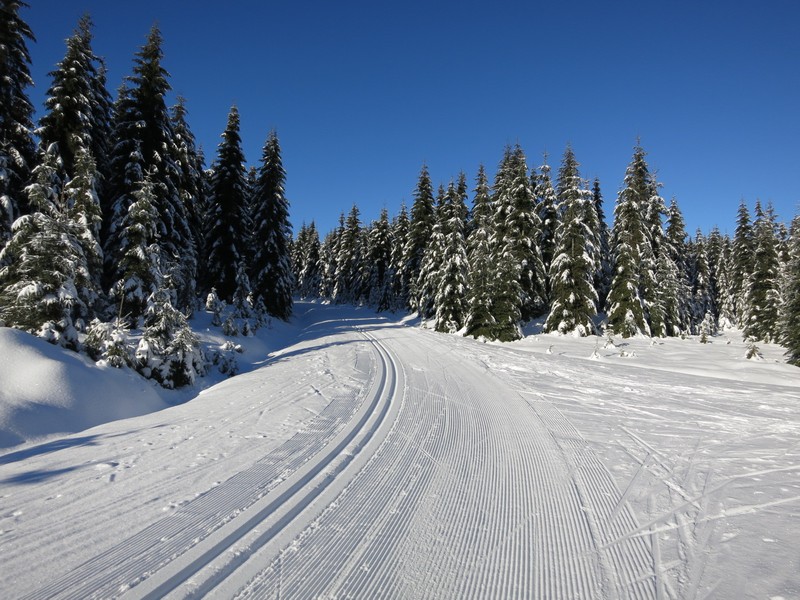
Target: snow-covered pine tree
(725,288)
(763,296)
(742,262)
(309,276)
(428,279)
(192,189)
(699,281)
(480,322)
(83,211)
(17,149)
(229,222)
(398,290)
(522,229)
(790,313)
(450,302)
(547,208)
(630,242)
(378,264)
(140,269)
(714,245)
(349,280)
(77,106)
(602,278)
(144,142)
(271,268)
(329,252)
(169,351)
(38,291)
(423,218)
(674,269)
(575,264)
(506,299)
(651,291)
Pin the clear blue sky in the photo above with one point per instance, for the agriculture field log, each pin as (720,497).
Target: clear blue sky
(362,93)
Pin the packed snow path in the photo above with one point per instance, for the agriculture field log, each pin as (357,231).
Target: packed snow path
(366,460)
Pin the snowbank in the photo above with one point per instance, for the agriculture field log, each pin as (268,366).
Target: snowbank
(45,390)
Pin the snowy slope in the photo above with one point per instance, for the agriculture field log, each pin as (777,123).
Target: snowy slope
(367,458)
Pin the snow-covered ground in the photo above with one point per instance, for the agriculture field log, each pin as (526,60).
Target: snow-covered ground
(358,456)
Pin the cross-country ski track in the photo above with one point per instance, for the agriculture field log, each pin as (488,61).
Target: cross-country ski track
(416,472)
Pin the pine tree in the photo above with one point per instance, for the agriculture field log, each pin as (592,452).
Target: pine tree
(423,218)
(450,301)
(790,314)
(480,322)
(77,116)
(17,149)
(229,221)
(140,269)
(673,274)
(38,291)
(699,281)
(574,266)
(398,283)
(309,275)
(630,242)
(727,307)
(349,280)
(271,267)
(602,278)
(547,207)
(762,299)
(145,143)
(430,269)
(379,269)
(742,262)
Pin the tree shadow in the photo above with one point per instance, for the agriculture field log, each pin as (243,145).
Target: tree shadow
(36,476)
(55,445)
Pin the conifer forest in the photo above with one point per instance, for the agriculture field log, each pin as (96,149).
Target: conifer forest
(114,229)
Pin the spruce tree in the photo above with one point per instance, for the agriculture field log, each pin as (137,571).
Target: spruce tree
(309,275)
(228,220)
(43,263)
(574,266)
(77,116)
(700,282)
(630,241)
(140,268)
(674,272)
(378,264)
(423,218)
(790,314)
(349,285)
(547,207)
(742,262)
(602,278)
(145,143)
(480,322)
(428,279)
(399,283)
(450,301)
(763,297)
(17,149)
(271,267)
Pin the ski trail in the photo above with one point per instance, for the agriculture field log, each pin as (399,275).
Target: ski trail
(208,525)
(473,493)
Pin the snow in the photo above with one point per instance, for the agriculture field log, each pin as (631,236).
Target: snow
(362,455)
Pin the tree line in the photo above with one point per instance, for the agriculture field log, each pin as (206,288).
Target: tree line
(531,247)
(110,221)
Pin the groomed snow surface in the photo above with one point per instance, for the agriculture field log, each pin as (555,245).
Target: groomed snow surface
(362,456)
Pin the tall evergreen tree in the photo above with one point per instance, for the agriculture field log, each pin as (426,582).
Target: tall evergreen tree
(480,322)
(378,265)
(77,116)
(742,262)
(271,267)
(602,278)
(630,242)
(574,266)
(763,297)
(790,318)
(308,281)
(145,143)
(43,263)
(17,149)
(450,301)
(547,207)
(423,218)
(430,269)
(400,232)
(229,221)
(674,273)
(349,281)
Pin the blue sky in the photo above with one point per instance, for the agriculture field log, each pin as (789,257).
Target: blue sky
(362,93)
